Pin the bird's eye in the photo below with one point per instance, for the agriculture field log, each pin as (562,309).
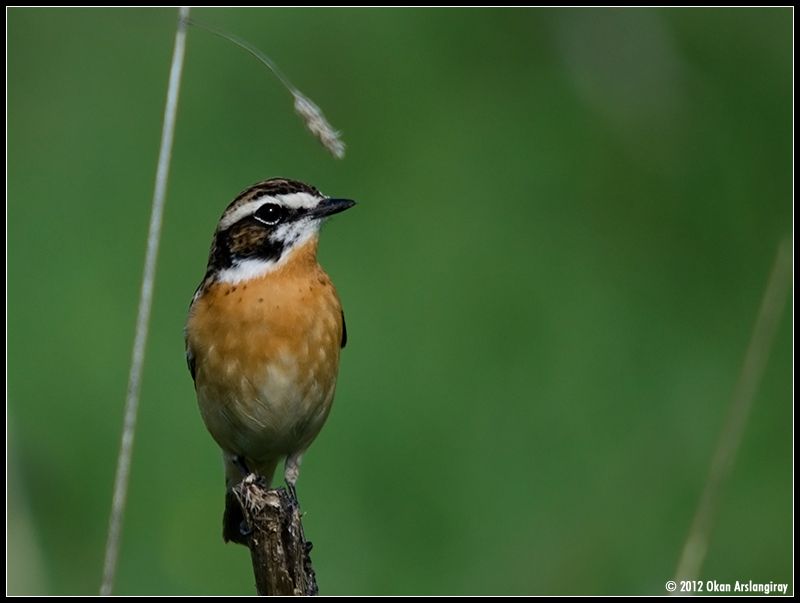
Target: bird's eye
(270,214)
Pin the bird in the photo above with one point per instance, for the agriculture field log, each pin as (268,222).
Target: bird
(264,333)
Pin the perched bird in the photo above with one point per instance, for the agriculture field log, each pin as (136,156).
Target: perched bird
(263,335)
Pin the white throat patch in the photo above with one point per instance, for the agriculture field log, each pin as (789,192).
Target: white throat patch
(252,268)
(246,270)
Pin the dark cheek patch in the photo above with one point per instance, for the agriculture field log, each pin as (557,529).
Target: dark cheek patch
(246,239)
(252,241)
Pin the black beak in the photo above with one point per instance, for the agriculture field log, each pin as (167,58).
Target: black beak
(331,206)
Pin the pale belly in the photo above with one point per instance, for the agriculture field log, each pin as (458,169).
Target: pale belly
(270,416)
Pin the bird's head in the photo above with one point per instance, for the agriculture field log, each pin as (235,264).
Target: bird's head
(264,224)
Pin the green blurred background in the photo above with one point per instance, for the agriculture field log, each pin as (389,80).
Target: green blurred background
(566,221)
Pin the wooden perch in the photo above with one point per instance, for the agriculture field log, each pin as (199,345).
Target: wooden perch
(280,553)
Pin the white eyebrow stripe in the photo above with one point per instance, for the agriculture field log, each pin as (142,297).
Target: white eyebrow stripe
(242,211)
(293,200)
(298,200)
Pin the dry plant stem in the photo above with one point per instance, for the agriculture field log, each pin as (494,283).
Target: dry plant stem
(278,548)
(755,361)
(143,319)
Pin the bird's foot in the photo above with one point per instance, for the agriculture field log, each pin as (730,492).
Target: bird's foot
(241,465)
(293,498)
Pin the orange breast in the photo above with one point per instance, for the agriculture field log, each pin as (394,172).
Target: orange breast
(266,357)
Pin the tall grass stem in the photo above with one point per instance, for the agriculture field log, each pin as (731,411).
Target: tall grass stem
(755,361)
(143,318)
